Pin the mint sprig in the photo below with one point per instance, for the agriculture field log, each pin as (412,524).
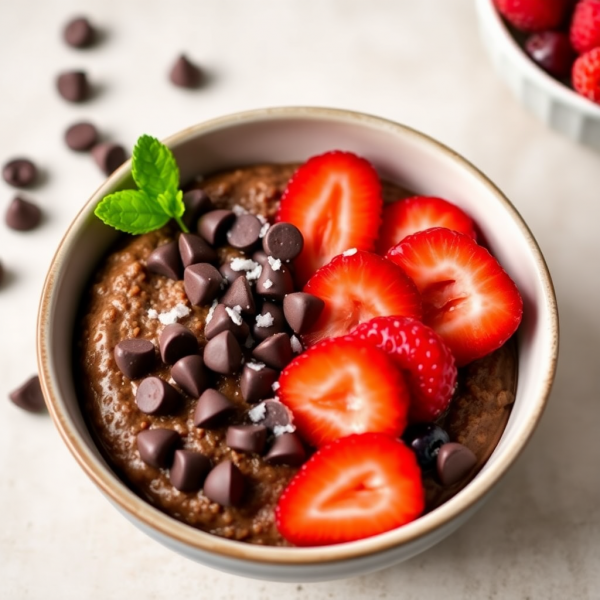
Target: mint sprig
(158,198)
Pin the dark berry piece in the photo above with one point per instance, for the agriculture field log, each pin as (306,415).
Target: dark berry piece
(552,51)
(425,439)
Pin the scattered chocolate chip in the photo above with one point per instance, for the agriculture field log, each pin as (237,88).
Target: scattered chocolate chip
(240,294)
(222,321)
(156,446)
(175,342)
(196,203)
(19,172)
(274,284)
(247,438)
(255,383)
(193,249)
(275,351)
(283,241)
(213,225)
(228,273)
(165,260)
(275,414)
(225,484)
(261,257)
(81,136)
(156,397)
(223,354)
(189,470)
(213,409)
(29,396)
(190,375)
(79,33)
(73,86)
(185,74)
(22,215)
(302,310)
(134,357)
(454,462)
(262,332)
(287,449)
(202,283)
(245,232)
(109,156)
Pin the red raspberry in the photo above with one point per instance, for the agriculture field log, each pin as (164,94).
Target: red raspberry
(533,15)
(585,26)
(586,75)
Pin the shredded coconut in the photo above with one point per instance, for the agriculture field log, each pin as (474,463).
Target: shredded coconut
(211,311)
(152,313)
(296,345)
(257,413)
(234,314)
(238,210)
(274,262)
(265,320)
(256,366)
(349,252)
(275,386)
(262,219)
(267,284)
(243,264)
(281,429)
(170,316)
(263,230)
(255,273)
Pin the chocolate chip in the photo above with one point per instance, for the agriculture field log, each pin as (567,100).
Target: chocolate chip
(81,136)
(302,310)
(79,33)
(228,273)
(165,260)
(156,397)
(274,284)
(256,382)
(275,351)
(245,232)
(261,257)
(189,470)
(287,449)
(22,215)
(454,462)
(196,203)
(29,396)
(185,74)
(223,354)
(240,294)
(222,321)
(19,172)
(134,357)
(194,249)
(73,86)
(202,283)
(247,438)
(225,484)
(213,225)
(274,414)
(190,375)
(156,446)
(213,409)
(109,156)
(283,241)
(263,331)
(175,342)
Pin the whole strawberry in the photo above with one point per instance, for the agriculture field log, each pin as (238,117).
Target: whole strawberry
(533,15)
(585,26)
(586,75)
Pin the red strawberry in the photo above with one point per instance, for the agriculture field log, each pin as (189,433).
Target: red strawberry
(468,299)
(533,15)
(357,286)
(585,26)
(335,200)
(354,488)
(586,75)
(414,214)
(427,362)
(342,386)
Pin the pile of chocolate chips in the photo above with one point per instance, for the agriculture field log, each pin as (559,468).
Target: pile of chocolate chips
(250,329)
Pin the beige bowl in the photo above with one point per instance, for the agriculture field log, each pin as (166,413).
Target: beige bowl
(400,154)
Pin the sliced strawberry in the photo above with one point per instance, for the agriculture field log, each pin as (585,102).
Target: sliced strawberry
(335,201)
(468,298)
(357,286)
(405,217)
(427,362)
(353,488)
(342,386)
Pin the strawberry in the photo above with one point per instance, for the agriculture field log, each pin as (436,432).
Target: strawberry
(468,299)
(335,201)
(533,15)
(403,217)
(586,75)
(342,386)
(356,487)
(357,286)
(421,353)
(585,26)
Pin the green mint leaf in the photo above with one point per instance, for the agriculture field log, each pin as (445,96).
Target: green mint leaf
(132,211)
(172,203)
(154,168)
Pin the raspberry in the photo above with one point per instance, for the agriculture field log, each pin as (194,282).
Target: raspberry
(586,75)
(533,15)
(585,26)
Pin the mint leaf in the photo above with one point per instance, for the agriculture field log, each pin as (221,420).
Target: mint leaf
(154,168)
(132,211)
(172,203)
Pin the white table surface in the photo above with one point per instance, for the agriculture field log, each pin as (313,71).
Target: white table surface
(420,63)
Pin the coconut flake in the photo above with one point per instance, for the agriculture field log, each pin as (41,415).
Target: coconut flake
(239,210)
(211,311)
(256,366)
(296,345)
(264,229)
(152,313)
(281,429)
(170,316)
(349,252)
(276,385)
(257,413)
(265,320)
(267,284)
(274,262)
(255,273)
(243,264)
(235,314)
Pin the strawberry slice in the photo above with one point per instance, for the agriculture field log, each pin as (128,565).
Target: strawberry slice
(468,298)
(342,386)
(354,488)
(405,217)
(421,353)
(335,201)
(357,286)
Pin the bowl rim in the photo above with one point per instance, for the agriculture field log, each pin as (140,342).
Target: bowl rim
(155,519)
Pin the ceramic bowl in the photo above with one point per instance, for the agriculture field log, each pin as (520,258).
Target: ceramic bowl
(401,155)
(557,105)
